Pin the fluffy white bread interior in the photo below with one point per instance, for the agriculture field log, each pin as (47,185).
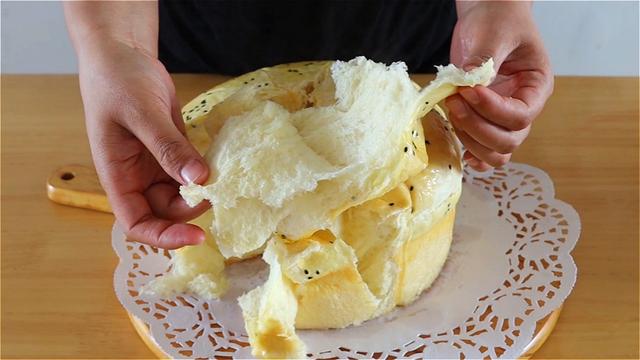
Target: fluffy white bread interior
(402,239)
(295,172)
(378,258)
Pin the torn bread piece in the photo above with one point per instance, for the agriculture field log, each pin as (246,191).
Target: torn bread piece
(197,269)
(379,258)
(365,154)
(269,313)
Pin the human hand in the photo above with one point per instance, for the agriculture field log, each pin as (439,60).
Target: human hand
(138,143)
(493,121)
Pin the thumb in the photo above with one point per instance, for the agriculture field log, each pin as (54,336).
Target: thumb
(473,61)
(484,49)
(172,150)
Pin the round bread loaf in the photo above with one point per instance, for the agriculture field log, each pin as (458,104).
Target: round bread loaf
(344,175)
(381,253)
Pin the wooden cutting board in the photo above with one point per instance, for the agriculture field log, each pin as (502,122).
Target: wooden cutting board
(78,186)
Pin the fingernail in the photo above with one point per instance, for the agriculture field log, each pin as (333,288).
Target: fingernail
(470,95)
(192,171)
(457,108)
(474,61)
(198,239)
(473,162)
(467,155)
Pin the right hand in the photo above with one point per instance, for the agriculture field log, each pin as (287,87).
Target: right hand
(138,143)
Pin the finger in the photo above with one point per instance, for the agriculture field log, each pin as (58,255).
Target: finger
(170,148)
(481,152)
(480,49)
(482,130)
(475,163)
(165,202)
(176,114)
(165,234)
(142,226)
(514,112)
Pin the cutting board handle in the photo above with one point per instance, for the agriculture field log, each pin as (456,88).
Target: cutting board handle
(78,186)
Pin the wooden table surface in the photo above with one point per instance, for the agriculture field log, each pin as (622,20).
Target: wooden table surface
(57,262)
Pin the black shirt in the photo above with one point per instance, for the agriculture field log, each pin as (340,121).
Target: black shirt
(234,37)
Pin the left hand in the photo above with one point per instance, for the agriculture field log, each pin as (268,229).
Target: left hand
(493,121)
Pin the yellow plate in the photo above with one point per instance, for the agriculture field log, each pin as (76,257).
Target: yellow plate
(544,327)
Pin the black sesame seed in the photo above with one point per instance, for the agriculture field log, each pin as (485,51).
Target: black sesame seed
(426,103)
(283,236)
(406,148)
(193,126)
(449,166)
(309,277)
(391,204)
(411,188)
(266,84)
(188,117)
(246,82)
(414,145)
(190,111)
(203,101)
(427,142)
(306,272)
(317,272)
(446,128)
(253,79)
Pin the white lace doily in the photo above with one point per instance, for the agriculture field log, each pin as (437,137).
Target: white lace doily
(510,266)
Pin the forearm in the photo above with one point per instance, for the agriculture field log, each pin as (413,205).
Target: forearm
(134,23)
